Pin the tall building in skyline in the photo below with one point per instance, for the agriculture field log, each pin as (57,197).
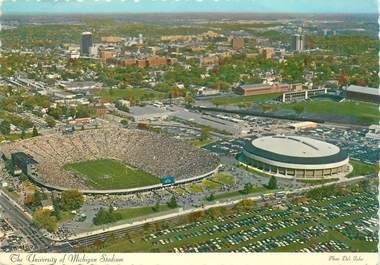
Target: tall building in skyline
(141,39)
(85,43)
(298,43)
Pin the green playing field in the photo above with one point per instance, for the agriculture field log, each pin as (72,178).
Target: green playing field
(111,174)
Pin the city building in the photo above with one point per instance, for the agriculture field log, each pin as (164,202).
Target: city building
(260,89)
(106,56)
(85,43)
(267,52)
(204,91)
(298,42)
(111,40)
(368,94)
(237,43)
(295,157)
(303,125)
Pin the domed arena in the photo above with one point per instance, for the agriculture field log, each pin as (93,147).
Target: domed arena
(109,160)
(295,156)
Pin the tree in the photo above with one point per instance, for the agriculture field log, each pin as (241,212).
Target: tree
(57,208)
(44,218)
(104,216)
(172,203)
(205,133)
(35,132)
(189,99)
(37,199)
(50,121)
(245,204)
(124,122)
(211,197)
(247,188)
(195,216)
(71,200)
(5,127)
(272,184)
(23,134)
(156,207)
(343,79)
(214,212)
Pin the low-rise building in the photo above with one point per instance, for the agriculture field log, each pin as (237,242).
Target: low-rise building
(361,93)
(260,89)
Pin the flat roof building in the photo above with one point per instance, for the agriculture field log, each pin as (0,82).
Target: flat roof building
(85,43)
(260,89)
(361,93)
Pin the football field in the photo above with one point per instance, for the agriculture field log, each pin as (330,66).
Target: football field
(111,174)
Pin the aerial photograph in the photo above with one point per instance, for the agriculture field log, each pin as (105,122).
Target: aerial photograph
(189,126)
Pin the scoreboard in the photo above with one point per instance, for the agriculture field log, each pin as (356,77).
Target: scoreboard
(167,180)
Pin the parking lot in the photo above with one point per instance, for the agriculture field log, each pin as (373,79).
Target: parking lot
(11,240)
(336,224)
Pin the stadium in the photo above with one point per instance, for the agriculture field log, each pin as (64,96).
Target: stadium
(105,161)
(295,157)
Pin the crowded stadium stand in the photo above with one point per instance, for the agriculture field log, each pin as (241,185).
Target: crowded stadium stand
(154,153)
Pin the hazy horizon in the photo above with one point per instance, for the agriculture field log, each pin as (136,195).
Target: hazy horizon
(28,7)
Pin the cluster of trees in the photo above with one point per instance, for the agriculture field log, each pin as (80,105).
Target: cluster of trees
(105,216)
(320,193)
(44,218)
(245,205)
(35,201)
(81,111)
(248,188)
(68,201)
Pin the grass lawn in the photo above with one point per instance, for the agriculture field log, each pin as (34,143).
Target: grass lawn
(207,184)
(15,136)
(243,100)
(253,171)
(130,213)
(200,143)
(361,169)
(238,193)
(179,191)
(111,174)
(196,188)
(224,178)
(138,94)
(365,113)
(65,216)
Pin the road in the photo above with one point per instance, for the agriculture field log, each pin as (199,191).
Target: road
(22,223)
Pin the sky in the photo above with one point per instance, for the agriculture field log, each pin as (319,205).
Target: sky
(141,6)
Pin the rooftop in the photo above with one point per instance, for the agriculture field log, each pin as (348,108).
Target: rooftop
(295,146)
(255,86)
(365,90)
